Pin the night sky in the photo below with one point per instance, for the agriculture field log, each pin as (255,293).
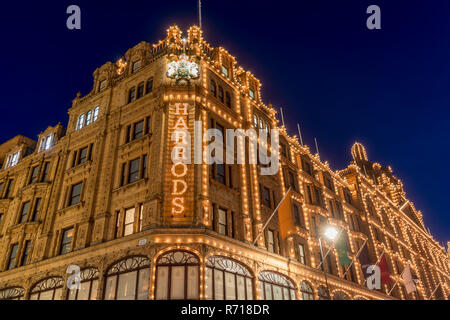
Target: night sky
(388,88)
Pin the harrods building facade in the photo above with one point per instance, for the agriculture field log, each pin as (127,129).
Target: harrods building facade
(103,194)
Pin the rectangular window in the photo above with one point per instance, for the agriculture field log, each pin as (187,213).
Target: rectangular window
(129,222)
(147,125)
(102,85)
(266,197)
(45,172)
(37,206)
(34,175)
(213,88)
(26,252)
(75,194)
(132,95)
(118,216)
(83,155)
(12,256)
(307,167)
(292,183)
(318,198)
(296,215)
(149,87)
(133,173)
(141,216)
(222,222)
(220,96)
(270,241)
(144,167)
(138,130)
(123,175)
(251,93)
(330,204)
(225,71)
(221,173)
(66,241)
(140,90)
(24,212)
(2,185)
(301,251)
(136,66)
(9,188)
(228,99)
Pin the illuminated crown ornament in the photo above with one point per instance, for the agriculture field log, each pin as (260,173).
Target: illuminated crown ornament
(121,65)
(183,68)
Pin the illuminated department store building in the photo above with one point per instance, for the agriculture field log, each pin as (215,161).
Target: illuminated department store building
(99,194)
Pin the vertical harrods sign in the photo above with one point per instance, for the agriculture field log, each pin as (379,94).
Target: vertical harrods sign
(179,193)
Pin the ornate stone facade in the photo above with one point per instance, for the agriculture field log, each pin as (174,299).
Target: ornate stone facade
(103,190)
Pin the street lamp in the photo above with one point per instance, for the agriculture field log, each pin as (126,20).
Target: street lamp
(330,233)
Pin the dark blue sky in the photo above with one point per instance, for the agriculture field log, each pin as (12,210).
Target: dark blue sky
(388,89)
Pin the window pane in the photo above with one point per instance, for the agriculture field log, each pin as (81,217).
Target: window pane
(110,288)
(34,296)
(209,284)
(249,289)
(268,290)
(277,293)
(218,285)
(94,289)
(144,278)
(230,286)
(292,294)
(72,294)
(127,286)
(46,295)
(240,288)
(177,283)
(193,282)
(286,294)
(261,290)
(162,283)
(83,294)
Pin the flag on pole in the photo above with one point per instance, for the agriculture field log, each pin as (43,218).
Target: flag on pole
(385,276)
(342,248)
(408,280)
(364,260)
(285,216)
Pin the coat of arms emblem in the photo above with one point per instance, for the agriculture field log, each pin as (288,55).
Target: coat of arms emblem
(183,68)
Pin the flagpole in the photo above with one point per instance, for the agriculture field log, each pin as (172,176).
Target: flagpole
(282,117)
(338,235)
(434,291)
(300,134)
(356,257)
(271,216)
(200,13)
(389,293)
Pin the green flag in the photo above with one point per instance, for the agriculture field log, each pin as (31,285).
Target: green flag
(342,248)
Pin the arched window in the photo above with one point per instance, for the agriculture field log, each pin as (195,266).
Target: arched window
(88,117)
(307,291)
(48,289)
(178,276)
(80,123)
(96,110)
(88,286)
(340,296)
(323,293)
(128,279)
(227,279)
(14,293)
(274,286)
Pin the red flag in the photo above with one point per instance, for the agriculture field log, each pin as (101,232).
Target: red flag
(385,276)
